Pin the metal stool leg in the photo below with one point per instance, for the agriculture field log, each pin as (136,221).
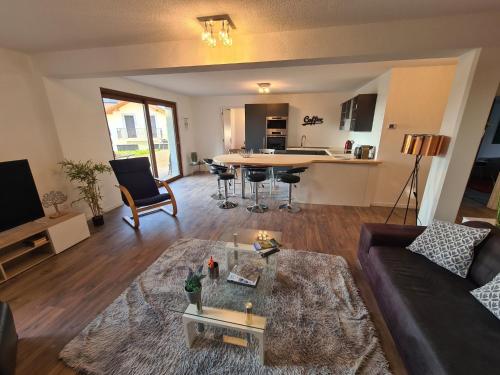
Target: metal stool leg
(257,207)
(218,196)
(288,206)
(226,204)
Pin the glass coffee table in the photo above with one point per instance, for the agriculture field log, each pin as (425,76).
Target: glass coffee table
(228,305)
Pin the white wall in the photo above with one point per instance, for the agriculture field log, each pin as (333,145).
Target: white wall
(474,87)
(237,127)
(26,126)
(379,86)
(207,115)
(81,123)
(416,102)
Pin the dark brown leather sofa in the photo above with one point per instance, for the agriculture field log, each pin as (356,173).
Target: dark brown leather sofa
(438,326)
(8,341)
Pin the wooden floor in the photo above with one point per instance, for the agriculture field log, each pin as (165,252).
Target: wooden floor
(55,300)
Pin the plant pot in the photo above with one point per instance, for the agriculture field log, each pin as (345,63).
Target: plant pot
(194,298)
(98,220)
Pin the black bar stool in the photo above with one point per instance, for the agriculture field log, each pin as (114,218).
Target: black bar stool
(255,176)
(216,169)
(226,204)
(290,177)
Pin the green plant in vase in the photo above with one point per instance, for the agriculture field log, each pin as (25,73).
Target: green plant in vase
(192,286)
(85,175)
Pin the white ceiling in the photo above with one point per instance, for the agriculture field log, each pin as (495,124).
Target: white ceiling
(36,25)
(295,79)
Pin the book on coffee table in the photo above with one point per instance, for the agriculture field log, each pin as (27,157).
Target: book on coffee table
(244,274)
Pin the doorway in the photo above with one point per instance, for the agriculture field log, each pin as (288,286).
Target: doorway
(233,123)
(482,192)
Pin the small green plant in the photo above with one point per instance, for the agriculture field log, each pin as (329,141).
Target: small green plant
(85,175)
(193,280)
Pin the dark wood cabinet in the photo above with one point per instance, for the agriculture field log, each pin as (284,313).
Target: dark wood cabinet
(359,110)
(255,122)
(255,126)
(277,109)
(345,113)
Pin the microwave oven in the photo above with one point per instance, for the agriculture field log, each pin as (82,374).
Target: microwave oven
(276,122)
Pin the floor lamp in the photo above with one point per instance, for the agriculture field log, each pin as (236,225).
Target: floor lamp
(419,145)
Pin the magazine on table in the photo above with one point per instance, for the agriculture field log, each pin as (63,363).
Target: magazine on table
(245,274)
(266,247)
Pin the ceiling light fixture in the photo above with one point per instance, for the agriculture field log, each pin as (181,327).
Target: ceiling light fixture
(264,87)
(226,24)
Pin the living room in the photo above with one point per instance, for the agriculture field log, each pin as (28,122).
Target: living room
(152,106)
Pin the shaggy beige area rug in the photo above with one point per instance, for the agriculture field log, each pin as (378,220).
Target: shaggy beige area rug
(317,323)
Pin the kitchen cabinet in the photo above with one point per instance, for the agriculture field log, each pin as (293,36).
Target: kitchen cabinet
(255,122)
(255,126)
(358,112)
(345,113)
(277,109)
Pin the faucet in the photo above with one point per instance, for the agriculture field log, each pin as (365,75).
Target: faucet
(303,140)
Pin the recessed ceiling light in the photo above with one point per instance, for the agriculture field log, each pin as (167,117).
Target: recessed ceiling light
(264,87)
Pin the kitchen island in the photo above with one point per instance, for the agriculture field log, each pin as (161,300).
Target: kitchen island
(330,179)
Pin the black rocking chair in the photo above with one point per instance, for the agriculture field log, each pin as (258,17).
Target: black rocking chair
(139,189)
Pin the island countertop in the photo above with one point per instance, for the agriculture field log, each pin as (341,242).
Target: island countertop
(284,160)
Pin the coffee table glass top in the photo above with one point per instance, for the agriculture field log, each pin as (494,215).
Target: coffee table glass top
(219,293)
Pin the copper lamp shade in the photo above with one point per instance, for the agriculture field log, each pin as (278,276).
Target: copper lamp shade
(423,144)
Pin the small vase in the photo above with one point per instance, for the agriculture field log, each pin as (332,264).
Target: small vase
(195,299)
(98,220)
(213,273)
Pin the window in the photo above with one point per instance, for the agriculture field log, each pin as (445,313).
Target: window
(144,127)
(153,126)
(130,126)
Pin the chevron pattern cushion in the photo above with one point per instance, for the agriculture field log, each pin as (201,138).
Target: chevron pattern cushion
(489,295)
(449,245)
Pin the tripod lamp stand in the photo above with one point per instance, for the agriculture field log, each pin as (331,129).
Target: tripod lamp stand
(419,145)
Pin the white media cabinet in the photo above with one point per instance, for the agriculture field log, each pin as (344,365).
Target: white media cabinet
(27,245)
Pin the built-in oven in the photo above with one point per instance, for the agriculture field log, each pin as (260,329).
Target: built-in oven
(276,123)
(276,142)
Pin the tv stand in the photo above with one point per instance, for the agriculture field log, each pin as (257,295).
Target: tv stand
(29,244)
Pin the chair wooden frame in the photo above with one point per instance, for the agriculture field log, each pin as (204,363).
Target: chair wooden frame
(133,220)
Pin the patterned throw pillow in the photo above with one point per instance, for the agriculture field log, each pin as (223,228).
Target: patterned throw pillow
(489,295)
(449,245)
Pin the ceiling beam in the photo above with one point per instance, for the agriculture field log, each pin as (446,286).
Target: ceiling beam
(408,39)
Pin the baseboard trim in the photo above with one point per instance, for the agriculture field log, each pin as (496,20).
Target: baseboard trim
(390,204)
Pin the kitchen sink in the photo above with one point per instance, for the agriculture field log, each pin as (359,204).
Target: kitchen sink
(301,152)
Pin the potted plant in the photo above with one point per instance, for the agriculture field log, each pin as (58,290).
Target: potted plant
(192,286)
(85,175)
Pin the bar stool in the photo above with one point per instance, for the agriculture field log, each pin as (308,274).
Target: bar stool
(217,170)
(255,177)
(226,204)
(290,178)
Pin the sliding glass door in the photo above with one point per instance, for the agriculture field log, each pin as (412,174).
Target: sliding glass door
(164,137)
(139,126)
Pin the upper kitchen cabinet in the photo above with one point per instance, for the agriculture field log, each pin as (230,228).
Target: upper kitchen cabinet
(358,113)
(345,114)
(277,109)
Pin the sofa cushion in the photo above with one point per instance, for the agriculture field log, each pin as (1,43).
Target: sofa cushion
(489,295)
(436,323)
(449,245)
(486,264)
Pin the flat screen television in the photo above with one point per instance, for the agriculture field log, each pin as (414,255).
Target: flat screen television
(19,199)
